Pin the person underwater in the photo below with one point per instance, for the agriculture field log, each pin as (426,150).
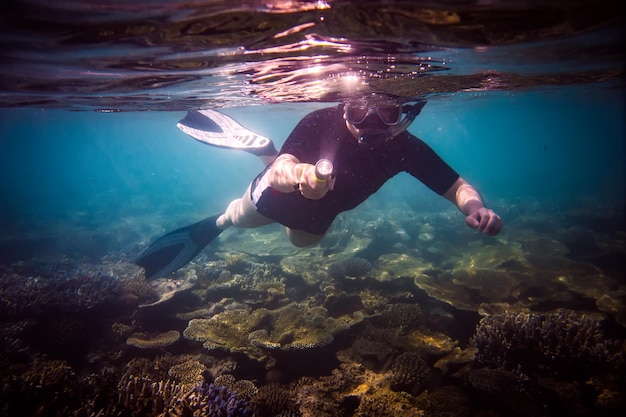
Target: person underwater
(363,140)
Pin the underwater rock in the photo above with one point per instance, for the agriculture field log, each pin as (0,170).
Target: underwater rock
(409,373)
(614,303)
(159,341)
(493,285)
(393,265)
(513,276)
(456,358)
(342,303)
(370,349)
(429,343)
(269,241)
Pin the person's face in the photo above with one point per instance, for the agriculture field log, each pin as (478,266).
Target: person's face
(371,121)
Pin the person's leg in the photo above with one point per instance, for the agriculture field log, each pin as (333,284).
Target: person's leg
(242,213)
(300,238)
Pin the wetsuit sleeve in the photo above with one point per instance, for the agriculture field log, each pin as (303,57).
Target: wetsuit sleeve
(430,169)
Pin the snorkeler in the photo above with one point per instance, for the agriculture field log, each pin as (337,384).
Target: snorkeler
(366,143)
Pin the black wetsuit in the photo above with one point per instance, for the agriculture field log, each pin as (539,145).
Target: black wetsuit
(359,171)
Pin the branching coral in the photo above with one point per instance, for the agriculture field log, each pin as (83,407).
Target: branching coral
(539,340)
(402,316)
(81,290)
(274,399)
(349,267)
(165,398)
(409,373)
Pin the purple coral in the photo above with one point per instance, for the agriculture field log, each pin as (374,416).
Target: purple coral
(219,401)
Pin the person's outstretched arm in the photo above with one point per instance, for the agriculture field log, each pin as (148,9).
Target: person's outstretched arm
(469,202)
(288,174)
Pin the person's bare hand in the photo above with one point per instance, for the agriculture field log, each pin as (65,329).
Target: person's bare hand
(312,187)
(485,220)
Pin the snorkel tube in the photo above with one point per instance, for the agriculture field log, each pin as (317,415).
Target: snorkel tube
(413,111)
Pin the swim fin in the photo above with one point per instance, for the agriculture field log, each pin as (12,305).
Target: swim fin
(175,249)
(217,129)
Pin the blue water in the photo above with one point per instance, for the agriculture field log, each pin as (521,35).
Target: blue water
(564,145)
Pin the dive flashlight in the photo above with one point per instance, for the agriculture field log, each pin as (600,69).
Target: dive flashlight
(323,170)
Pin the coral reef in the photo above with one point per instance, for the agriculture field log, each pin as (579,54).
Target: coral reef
(190,372)
(36,289)
(22,296)
(211,400)
(446,401)
(563,338)
(349,268)
(409,372)
(158,341)
(292,338)
(387,404)
(244,388)
(275,399)
(402,316)
(165,398)
(547,358)
(496,381)
(293,327)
